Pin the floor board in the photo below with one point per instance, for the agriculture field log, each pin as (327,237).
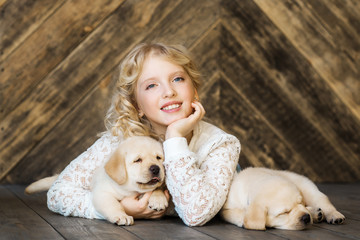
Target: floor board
(27,217)
(18,220)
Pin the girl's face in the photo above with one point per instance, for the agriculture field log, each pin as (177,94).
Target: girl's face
(164,92)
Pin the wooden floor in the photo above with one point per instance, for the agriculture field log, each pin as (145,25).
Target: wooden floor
(27,217)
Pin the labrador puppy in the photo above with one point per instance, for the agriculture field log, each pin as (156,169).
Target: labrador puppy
(260,198)
(135,167)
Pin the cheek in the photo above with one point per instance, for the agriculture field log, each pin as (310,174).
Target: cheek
(189,97)
(188,108)
(276,221)
(144,102)
(133,171)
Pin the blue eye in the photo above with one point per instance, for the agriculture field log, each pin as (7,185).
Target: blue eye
(150,86)
(178,79)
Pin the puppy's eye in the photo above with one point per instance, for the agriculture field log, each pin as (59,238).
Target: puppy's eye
(139,160)
(158,158)
(284,213)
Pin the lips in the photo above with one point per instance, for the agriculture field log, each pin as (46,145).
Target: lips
(171,106)
(153,181)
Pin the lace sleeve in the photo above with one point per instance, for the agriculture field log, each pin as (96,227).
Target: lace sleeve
(199,190)
(70,194)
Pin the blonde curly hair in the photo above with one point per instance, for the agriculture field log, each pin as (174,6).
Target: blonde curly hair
(122,118)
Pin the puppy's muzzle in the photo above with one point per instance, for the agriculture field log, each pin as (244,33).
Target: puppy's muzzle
(306,219)
(154,169)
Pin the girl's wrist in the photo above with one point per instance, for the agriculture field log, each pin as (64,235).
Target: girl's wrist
(172,134)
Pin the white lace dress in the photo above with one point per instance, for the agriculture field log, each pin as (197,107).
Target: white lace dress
(198,175)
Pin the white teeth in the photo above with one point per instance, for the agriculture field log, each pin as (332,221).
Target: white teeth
(171,107)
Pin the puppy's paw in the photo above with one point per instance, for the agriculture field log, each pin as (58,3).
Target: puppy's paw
(158,201)
(317,214)
(122,220)
(234,216)
(335,217)
(254,225)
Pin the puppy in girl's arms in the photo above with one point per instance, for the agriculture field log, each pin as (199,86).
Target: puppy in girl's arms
(135,167)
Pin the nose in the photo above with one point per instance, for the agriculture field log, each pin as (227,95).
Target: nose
(305,218)
(169,91)
(154,169)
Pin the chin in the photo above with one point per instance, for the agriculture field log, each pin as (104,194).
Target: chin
(174,119)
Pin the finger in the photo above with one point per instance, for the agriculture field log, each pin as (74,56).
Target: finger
(202,109)
(167,195)
(196,108)
(158,214)
(144,201)
(199,111)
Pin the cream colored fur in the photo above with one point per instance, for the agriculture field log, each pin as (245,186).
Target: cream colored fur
(261,198)
(41,185)
(135,167)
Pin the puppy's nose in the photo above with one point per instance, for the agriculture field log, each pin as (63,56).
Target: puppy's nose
(155,169)
(306,218)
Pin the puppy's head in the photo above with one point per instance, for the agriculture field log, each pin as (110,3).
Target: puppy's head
(280,205)
(138,162)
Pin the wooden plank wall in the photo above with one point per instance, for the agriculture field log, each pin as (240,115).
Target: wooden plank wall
(283,76)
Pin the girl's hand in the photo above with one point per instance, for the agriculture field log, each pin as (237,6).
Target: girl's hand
(182,127)
(138,208)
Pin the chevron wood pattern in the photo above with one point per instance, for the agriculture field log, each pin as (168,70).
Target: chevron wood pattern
(283,76)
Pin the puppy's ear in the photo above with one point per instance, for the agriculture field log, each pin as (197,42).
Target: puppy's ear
(255,217)
(116,167)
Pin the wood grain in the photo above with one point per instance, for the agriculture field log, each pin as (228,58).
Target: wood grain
(282,76)
(18,220)
(61,146)
(69,227)
(26,67)
(251,127)
(49,103)
(323,39)
(18,23)
(343,196)
(67,137)
(310,103)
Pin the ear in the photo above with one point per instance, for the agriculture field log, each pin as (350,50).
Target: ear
(141,113)
(116,167)
(196,95)
(255,217)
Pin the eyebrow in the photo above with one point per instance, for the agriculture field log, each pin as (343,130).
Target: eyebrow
(171,75)
(178,72)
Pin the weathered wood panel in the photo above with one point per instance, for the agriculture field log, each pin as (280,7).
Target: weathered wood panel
(66,85)
(53,41)
(60,146)
(325,39)
(18,21)
(120,42)
(283,76)
(249,125)
(290,94)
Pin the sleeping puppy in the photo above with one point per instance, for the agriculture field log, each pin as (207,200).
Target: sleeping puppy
(135,167)
(260,198)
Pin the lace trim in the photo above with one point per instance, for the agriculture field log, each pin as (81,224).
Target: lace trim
(70,194)
(198,189)
(199,192)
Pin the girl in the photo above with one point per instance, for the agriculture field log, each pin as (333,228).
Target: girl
(157,95)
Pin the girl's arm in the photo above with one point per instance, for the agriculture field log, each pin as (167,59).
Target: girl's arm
(199,192)
(70,194)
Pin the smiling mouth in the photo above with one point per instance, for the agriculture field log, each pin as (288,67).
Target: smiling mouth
(153,181)
(171,107)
